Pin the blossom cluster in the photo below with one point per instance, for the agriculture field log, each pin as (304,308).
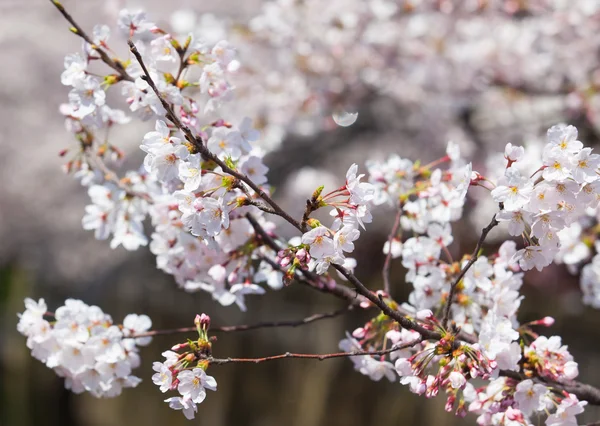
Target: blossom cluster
(82,344)
(542,205)
(193,205)
(508,402)
(351,210)
(183,371)
(446,365)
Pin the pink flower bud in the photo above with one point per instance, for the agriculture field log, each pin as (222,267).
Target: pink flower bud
(301,255)
(515,415)
(359,333)
(547,321)
(179,346)
(205,320)
(450,403)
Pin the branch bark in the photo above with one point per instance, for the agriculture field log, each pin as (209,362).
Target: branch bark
(319,357)
(248,327)
(484,232)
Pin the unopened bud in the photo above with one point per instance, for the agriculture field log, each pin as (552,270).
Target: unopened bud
(204,320)
(359,333)
(284,262)
(547,321)
(301,255)
(450,403)
(179,346)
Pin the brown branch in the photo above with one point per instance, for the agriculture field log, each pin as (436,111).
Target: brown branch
(247,327)
(484,232)
(319,357)
(403,320)
(388,258)
(260,231)
(77,30)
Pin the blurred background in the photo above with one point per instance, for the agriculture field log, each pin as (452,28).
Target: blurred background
(419,74)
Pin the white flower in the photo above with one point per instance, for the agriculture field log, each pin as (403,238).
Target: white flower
(396,248)
(163,377)
(566,412)
(360,192)
(134,25)
(516,220)
(193,382)
(513,190)
(563,139)
(165,161)
(403,367)
(530,396)
(190,172)
(75,67)
(321,244)
(513,152)
(225,142)
(585,166)
(187,406)
(558,166)
(457,380)
(134,324)
(532,257)
(254,168)
(343,239)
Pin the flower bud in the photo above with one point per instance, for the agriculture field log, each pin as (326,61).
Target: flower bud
(450,403)
(179,346)
(359,333)
(205,320)
(547,321)
(301,255)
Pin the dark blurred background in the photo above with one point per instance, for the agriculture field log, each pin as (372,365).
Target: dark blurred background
(44,253)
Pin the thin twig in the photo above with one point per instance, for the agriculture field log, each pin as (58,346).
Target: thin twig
(260,231)
(247,327)
(388,258)
(319,357)
(484,232)
(76,29)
